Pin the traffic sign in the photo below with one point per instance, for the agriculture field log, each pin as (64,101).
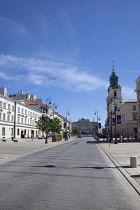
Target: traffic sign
(107,126)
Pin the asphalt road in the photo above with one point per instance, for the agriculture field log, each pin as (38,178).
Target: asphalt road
(76,175)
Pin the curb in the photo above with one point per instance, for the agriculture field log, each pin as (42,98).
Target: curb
(133,183)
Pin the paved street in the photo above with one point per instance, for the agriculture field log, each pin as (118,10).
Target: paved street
(72,175)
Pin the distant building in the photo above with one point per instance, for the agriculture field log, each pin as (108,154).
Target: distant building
(23,96)
(86,127)
(3,91)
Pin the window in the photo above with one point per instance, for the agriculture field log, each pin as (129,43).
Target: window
(22,111)
(4,105)
(3,116)
(18,132)
(8,118)
(12,118)
(115,93)
(134,117)
(9,106)
(22,120)
(13,108)
(18,119)
(25,112)
(0,116)
(18,109)
(3,131)
(134,107)
(115,108)
(0,104)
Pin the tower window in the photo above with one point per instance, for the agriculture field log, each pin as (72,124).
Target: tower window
(115,108)
(115,93)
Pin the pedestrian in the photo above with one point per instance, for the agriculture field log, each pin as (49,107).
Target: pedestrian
(32,137)
(121,137)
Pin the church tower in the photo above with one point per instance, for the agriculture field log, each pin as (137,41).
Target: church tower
(114,99)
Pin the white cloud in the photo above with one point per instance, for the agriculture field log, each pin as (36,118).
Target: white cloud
(42,72)
(4,76)
(9,77)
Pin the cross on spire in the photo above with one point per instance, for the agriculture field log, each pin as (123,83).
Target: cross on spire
(112,65)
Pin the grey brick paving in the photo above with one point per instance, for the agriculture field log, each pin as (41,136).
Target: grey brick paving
(73,176)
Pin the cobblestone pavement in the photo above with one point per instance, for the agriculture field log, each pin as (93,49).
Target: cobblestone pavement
(11,149)
(73,175)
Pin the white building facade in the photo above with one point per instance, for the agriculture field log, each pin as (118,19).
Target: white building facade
(17,119)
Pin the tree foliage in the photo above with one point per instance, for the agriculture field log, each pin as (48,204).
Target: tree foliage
(48,124)
(75,130)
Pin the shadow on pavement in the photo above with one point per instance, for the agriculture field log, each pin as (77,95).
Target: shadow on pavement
(52,166)
(135,176)
(96,142)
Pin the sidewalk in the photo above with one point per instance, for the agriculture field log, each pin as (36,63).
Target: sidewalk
(120,154)
(11,149)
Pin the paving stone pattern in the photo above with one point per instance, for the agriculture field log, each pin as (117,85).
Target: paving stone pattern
(73,176)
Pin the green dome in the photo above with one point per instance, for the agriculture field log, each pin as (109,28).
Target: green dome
(83,118)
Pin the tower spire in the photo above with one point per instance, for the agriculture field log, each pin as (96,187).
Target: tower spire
(112,65)
(113,77)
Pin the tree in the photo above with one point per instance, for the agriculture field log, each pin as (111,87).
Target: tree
(43,126)
(57,125)
(45,123)
(75,130)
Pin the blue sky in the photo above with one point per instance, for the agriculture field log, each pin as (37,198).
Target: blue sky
(64,49)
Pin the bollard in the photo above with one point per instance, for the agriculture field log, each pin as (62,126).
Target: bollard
(133,162)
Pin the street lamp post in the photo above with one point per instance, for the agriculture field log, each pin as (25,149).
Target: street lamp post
(110,121)
(48,103)
(96,113)
(54,107)
(66,137)
(14,121)
(116,140)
